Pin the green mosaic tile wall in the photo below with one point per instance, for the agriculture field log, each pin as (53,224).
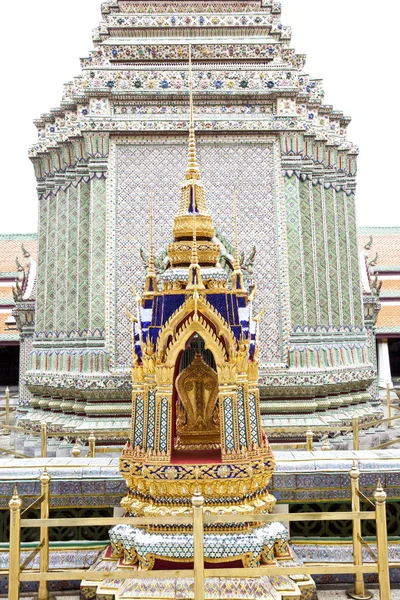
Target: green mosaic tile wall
(323,256)
(83,256)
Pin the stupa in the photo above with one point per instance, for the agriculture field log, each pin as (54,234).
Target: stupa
(262,128)
(196,422)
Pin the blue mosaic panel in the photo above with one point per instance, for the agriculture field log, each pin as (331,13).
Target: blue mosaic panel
(151,420)
(228,424)
(164,425)
(139,419)
(241,418)
(254,431)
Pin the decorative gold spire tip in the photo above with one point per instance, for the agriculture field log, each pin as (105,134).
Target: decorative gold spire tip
(192,171)
(151,277)
(237,275)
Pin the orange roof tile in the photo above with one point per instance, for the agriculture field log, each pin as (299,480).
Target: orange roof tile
(391,285)
(7,333)
(6,293)
(386,241)
(389,317)
(10,248)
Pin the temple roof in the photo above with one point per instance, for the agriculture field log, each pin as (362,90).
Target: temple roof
(8,333)
(389,320)
(384,243)
(10,250)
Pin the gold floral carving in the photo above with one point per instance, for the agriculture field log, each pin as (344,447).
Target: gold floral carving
(180,253)
(147,480)
(262,503)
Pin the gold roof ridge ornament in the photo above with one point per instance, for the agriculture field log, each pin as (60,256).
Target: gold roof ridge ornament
(151,277)
(237,275)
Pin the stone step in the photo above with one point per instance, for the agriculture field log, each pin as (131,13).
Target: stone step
(296,587)
(279,588)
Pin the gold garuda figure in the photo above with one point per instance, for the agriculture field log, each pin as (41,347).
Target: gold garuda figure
(196,424)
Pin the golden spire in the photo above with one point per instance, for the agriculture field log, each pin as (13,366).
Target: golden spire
(195,258)
(192,171)
(192,219)
(237,275)
(151,277)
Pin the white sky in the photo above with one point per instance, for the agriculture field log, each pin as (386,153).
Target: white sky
(351,44)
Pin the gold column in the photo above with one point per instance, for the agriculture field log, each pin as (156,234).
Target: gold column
(92,445)
(326,445)
(389,405)
(357,592)
(15,549)
(43,593)
(43,438)
(309,440)
(198,541)
(76,450)
(382,542)
(356,434)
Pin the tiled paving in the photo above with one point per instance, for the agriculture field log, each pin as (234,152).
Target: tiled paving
(334,594)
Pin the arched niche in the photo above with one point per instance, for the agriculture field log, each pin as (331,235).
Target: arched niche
(196,419)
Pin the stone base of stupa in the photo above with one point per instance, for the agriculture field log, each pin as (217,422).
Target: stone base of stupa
(250,548)
(274,587)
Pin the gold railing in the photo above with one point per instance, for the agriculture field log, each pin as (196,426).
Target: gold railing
(44,434)
(380,564)
(354,428)
(308,444)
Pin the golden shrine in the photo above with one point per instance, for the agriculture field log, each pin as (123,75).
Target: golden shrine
(196,427)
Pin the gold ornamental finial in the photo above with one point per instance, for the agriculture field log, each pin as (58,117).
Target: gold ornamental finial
(192,171)
(151,277)
(237,275)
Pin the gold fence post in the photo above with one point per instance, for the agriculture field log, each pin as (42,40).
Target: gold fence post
(43,593)
(43,438)
(76,450)
(15,548)
(92,445)
(309,440)
(356,434)
(198,541)
(7,409)
(389,406)
(326,445)
(382,542)
(358,591)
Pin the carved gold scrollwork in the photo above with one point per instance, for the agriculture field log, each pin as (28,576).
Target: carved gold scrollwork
(148,357)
